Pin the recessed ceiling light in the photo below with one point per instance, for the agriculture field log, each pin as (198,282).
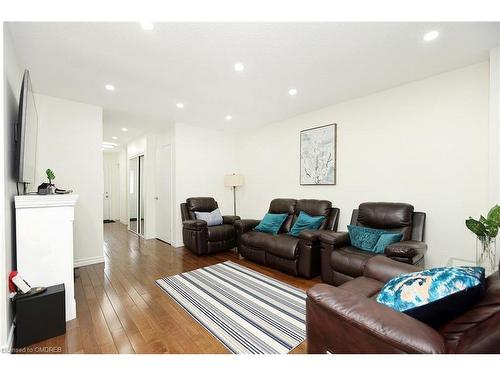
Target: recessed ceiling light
(292,92)
(109,145)
(180,105)
(239,67)
(229,117)
(431,35)
(124,130)
(147,25)
(109,87)
(114,137)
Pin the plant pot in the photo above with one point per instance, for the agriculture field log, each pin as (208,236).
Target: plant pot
(486,253)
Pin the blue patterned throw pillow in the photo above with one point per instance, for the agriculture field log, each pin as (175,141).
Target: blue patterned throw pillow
(436,295)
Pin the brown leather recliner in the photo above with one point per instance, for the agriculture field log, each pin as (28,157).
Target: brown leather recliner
(341,262)
(200,238)
(299,256)
(348,319)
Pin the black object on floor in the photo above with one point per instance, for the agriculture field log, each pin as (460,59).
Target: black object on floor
(108,221)
(40,317)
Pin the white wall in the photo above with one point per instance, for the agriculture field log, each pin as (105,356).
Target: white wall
(11,89)
(70,143)
(202,157)
(494,135)
(425,143)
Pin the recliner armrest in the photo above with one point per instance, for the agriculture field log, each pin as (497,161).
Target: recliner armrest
(405,249)
(337,239)
(230,219)
(245,225)
(339,321)
(313,234)
(194,224)
(383,269)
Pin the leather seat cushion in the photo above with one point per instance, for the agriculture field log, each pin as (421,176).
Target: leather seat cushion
(350,260)
(363,286)
(221,232)
(284,246)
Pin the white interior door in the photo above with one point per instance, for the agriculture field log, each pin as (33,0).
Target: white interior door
(107,192)
(164,193)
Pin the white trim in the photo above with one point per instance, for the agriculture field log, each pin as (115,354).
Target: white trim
(88,261)
(37,201)
(177,244)
(7,348)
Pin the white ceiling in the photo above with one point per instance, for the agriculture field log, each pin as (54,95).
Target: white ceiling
(192,63)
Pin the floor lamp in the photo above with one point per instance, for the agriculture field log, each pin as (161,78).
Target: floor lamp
(233,180)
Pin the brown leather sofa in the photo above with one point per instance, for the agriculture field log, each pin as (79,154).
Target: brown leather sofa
(348,319)
(299,256)
(200,238)
(341,262)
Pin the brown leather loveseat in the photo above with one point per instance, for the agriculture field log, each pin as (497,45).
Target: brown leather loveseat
(348,319)
(299,256)
(200,238)
(341,262)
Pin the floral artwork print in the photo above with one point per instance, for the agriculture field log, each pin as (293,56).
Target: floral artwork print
(318,155)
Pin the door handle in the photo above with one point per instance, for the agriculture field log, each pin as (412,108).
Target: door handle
(156,198)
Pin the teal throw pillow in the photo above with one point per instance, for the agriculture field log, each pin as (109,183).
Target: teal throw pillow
(304,221)
(386,239)
(271,223)
(364,238)
(436,295)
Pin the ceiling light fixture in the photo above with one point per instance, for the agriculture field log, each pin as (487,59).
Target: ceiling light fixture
(431,35)
(109,145)
(147,25)
(114,137)
(109,87)
(292,92)
(239,67)
(124,130)
(180,105)
(229,117)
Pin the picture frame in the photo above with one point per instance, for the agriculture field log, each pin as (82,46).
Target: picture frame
(318,155)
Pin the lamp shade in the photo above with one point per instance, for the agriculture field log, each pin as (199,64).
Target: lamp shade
(233,180)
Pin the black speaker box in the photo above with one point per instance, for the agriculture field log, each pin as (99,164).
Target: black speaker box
(40,317)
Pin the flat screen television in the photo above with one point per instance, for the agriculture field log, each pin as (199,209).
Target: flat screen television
(26,133)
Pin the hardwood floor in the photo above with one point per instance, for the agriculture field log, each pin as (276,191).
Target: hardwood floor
(121,310)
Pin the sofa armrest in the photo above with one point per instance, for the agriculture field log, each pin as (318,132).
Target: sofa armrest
(405,249)
(245,225)
(194,224)
(383,269)
(313,234)
(230,219)
(337,239)
(342,322)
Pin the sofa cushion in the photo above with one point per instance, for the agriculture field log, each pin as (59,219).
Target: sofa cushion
(212,218)
(282,206)
(313,207)
(350,260)
(435,295)
(257,240)
(284,246)
(305,221)
(385,240)
(396,217)
(364,238)
(221,232)
(363,286)
(271,223)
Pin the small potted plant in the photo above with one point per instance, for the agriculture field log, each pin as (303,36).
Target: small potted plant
(486,231)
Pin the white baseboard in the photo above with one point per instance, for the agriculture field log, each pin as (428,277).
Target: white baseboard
(177,244)
(88,261)
(7,348)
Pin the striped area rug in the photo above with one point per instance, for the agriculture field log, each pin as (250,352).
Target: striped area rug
(247,311)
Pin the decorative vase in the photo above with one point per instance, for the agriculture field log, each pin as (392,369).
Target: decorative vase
(486,253)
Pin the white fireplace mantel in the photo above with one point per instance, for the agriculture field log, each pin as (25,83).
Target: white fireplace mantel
(44,238)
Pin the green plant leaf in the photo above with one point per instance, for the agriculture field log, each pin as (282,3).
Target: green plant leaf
(494,215)
(475,227)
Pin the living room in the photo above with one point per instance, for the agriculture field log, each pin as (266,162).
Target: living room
(210,187)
